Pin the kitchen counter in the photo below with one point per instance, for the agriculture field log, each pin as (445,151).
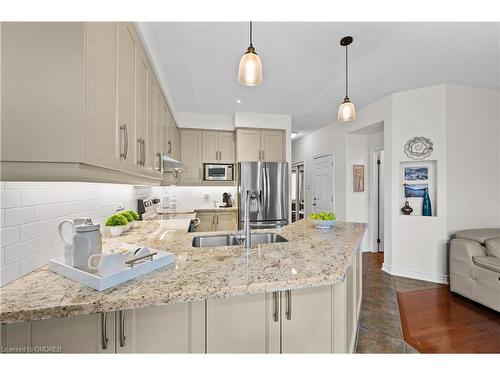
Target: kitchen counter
(311,258)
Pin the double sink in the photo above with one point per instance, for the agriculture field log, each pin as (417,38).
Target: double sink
(234,240)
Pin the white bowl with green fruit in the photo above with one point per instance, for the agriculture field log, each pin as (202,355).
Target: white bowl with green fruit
(323,220)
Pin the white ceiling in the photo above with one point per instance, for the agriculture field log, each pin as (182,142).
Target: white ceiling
(303,63)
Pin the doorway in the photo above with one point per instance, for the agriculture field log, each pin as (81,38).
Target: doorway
(297,192)
(323,184)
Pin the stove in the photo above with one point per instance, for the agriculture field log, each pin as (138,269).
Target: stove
(146,208)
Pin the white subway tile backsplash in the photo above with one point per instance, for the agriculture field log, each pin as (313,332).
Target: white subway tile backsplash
(9,236)
(47,242)
(29,222)
(36,261)
(18,251)
(10,198)
(9,273)
(16,216)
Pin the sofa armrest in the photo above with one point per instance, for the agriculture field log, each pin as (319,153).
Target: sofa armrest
(463,250)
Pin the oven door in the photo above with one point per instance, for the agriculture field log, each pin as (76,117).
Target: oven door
(218,172)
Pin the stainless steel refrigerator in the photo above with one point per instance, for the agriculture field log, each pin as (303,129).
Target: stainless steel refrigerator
(271,209)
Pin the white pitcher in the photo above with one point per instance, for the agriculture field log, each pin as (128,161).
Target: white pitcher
(68,245)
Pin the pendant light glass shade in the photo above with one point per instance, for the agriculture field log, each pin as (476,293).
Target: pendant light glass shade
(347,112)
(250,71)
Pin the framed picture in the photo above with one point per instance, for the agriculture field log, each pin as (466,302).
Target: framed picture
(415,191)
(358,178)
(416,173)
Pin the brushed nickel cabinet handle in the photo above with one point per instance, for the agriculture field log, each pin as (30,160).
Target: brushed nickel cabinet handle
(159,162)
(124,154)
(139,157)
(170,147)
(104,330)
(121,315)
(276,306)
(144,151)
(288,305)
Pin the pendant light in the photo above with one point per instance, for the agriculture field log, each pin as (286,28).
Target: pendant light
(347,112)
(250,71)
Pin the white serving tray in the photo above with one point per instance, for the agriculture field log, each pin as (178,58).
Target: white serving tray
(161,259)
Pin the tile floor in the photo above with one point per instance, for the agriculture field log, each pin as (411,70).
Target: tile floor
(379,329)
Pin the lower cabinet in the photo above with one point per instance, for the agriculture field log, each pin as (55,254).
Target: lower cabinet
(217,221)
(243,324)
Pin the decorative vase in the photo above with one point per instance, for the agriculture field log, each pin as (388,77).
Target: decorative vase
(426,206)
(407,210)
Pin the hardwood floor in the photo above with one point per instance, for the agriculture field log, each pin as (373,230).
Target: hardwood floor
(438,321)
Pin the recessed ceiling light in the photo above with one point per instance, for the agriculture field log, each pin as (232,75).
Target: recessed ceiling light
(294,135)
(238,101)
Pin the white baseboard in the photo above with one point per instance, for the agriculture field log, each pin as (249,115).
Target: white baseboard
(411,274)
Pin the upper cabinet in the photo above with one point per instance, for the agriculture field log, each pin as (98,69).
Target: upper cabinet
(260,145)
(83,95)
(218,147)
(191,156)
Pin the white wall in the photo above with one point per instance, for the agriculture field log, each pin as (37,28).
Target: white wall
(30,213)
(473,127)
(205,121)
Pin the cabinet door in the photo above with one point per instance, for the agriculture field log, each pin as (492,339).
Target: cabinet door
(159,120)
(101,131)
(273,145)
(242,325)
(226,147)
(226,221)
(126,44)
(153,153)
(307,320)
(14,337)
(165,131)
(141,109)
(76,334)
(248,144)
(177,143)
(154,329)
(207,221)
(191,156)
(210,147)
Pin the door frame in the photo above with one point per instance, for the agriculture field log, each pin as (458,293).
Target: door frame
(373,200)
(332,154)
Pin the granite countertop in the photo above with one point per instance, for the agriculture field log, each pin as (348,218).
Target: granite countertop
(311,258)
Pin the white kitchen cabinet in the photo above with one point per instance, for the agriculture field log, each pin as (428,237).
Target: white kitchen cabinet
(126,46)
(218,147)
(307,320)
(217,220)
(154,329)
(260,145)
(191,156)
(243,324)
(141,108)
(75,102)
(154,133)
(76,334)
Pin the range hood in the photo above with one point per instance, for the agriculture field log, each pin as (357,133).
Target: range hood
(172,165)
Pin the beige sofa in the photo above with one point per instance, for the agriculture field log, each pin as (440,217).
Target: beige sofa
(475,266)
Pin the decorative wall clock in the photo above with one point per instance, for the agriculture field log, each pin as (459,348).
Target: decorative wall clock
(418,148)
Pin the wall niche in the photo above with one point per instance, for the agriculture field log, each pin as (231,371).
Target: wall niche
(418,187)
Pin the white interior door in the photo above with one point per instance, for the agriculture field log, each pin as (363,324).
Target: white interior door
(323,188)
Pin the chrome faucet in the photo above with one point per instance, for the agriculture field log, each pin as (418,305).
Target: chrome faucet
(251,194)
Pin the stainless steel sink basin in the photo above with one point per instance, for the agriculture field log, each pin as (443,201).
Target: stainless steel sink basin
(233,240)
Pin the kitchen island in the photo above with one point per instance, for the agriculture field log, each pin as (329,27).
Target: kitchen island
(310,259)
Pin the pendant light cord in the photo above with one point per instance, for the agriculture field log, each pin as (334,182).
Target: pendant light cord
(346,73)
(251,34)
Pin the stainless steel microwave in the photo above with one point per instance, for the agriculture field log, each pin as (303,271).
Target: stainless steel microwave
(218,172)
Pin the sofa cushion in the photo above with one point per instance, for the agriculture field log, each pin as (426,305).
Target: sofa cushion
(490,263)
(479,235)
(493,247)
